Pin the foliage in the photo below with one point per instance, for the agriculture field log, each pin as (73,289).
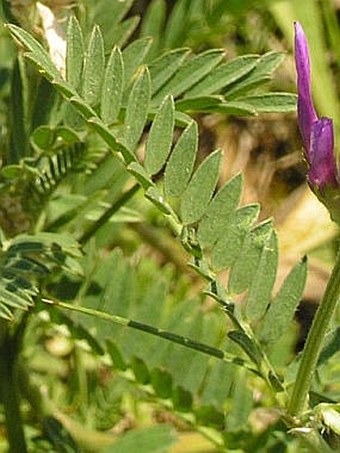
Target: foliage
(108,144)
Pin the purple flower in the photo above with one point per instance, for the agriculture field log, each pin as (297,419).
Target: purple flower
(317,133)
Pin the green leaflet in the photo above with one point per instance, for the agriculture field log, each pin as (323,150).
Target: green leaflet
(121,34)
(58,436)
(155,196)
(137,109)
(153,439)
(108,13)
(160,137)
(25,260)
(244,269)
(134,55)
(116,356)
(162,382)
(63,87)
(197,195)
(41,57)
(165,66)
(232,108)
(110,139)
(14,299)
(176,27)
(237,417)
(74,53)
(45,137)
(140,370)
(271,102)
(247,344)
(202,103)
(224,75)
(227,248)
(259,75)
(331,345)
(83,107)
(213,393)
(167,366)
(153,24)
(109,16)
(18,113)
(182,399)
(112,89)
(181,162)
(281,310)
(260,291)
(219,211)
(93,68)
(5,312)
(138,171)
(191,72)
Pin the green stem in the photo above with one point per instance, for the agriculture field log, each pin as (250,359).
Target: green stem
(10,397)
(314,342)
(175,338)
(107,214)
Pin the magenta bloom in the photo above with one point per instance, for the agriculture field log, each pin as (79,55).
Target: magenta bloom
(317,133)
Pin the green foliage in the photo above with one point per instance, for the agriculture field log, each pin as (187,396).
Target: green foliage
(26,261)
(238,239)
(121,118)
(154,439)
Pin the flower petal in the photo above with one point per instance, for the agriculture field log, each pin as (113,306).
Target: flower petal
(323,169)
(306,112)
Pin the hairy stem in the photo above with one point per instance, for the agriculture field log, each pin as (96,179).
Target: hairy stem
(314,342)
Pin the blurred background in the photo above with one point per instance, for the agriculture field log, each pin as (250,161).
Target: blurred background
(265,148)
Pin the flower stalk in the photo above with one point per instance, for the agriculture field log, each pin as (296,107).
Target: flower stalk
(314,342)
